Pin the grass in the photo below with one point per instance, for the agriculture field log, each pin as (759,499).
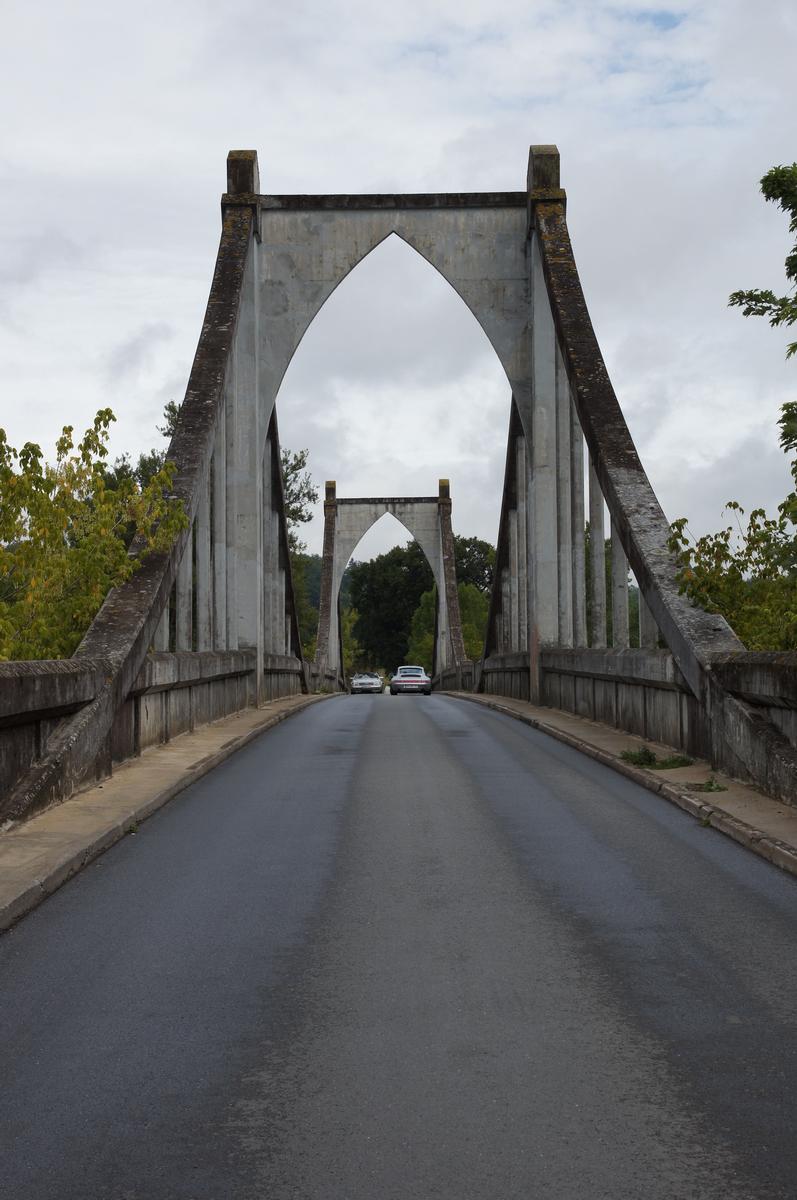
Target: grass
(709,785)
(646,758)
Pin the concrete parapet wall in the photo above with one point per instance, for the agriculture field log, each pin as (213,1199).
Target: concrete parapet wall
(172,694)
(506,675)
(748,729)
(455,679)
(641,691)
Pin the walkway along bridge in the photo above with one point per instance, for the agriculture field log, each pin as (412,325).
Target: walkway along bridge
(210,627)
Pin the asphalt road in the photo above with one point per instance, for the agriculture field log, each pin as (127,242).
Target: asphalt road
(403,948)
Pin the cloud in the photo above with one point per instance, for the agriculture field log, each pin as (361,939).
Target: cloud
(136,353)
(666,117)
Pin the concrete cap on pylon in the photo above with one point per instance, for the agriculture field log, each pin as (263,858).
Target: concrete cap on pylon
(243,174)
(543,172)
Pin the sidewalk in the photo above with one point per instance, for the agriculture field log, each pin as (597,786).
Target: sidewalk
(765,826)
(41,854)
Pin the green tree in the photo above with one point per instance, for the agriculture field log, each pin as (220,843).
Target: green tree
(420,649)
(300,494)
(474,606)
(385,592)
(748,570)
(475,562)
(780,186)
(64,536)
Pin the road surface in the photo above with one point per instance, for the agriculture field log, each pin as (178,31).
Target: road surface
(403,948)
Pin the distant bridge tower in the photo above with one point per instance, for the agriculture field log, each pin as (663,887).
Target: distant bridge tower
(428,520)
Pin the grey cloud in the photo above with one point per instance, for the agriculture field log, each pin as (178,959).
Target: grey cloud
(129,357)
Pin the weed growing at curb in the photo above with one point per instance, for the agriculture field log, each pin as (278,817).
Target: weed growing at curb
(646,758)
(709,785)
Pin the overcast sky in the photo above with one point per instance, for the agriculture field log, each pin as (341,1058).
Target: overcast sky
(118,119)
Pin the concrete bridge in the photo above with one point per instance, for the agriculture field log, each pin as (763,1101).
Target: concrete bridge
(394,948)
(212,625)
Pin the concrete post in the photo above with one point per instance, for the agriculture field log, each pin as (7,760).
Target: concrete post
(231,504)
(161,641)
(327,626)
(648,630)
(270,549)
(451,647)
(620,635)
(521,479)
(248,476)
(514,581)
(506,612)
(204,632)
(577,511)
(543,517)
(564,501)
(218,475)
(185,597)
(597,556)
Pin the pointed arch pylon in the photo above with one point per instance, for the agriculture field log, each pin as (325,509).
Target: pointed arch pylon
(224,587)
(428,520)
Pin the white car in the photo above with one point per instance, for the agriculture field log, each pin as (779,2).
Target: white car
(410,679)
(365,683)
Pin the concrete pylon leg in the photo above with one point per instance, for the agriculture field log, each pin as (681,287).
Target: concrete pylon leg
(543,507)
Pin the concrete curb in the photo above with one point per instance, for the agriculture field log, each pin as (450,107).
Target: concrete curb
(780,853)
(33,891)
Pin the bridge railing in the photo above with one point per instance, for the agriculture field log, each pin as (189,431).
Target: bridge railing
(174,693)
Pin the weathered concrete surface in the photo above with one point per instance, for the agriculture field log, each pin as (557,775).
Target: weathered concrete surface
(37,857)
(755,820)
(428,520)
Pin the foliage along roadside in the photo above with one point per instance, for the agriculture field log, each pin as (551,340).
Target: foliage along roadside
(748,570)
(65,529)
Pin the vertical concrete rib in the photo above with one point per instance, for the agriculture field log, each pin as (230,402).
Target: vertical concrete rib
(506,612)
(218,476)
(620,633)
(648,630)
(185,597)
(564,502)
(269,547)
(161,640)
(577,515)
(597,558)
(514,581)
(204,630)
(543,508)
(522,540)
(231,504)
(248,477)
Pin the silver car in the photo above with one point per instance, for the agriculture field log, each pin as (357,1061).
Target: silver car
(364,683)
(410,679)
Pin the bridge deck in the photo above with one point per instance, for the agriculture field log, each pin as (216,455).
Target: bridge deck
(402,948)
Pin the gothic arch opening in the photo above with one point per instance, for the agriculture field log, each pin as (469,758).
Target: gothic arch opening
(394,384)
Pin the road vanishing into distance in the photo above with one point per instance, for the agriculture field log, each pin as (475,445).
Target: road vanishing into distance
(402,948)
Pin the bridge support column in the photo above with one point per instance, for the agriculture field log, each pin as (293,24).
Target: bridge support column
(218,475)
(564,496)
(648,630)
(543,531)
(204,596)
(620,636)
(597,558)
(579,563)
